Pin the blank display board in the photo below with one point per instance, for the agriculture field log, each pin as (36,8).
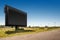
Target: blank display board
(15,17)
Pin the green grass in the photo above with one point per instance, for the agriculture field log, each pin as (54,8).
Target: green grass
(8,32)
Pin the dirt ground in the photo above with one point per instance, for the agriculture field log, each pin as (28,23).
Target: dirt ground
(49,35)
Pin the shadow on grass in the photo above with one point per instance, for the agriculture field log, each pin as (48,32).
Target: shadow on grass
(18,31)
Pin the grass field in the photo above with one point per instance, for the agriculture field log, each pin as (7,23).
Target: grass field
(8,32)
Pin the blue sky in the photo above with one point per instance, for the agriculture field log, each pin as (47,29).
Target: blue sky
(40,12)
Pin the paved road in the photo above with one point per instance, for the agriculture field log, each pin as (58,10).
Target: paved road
(50,35)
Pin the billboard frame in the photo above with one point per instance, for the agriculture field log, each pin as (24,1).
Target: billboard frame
(18,11)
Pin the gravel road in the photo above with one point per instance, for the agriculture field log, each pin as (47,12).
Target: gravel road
(49,35)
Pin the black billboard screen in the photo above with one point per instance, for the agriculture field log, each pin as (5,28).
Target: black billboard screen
(15,17)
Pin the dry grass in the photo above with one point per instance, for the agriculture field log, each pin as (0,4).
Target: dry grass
(7,32)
